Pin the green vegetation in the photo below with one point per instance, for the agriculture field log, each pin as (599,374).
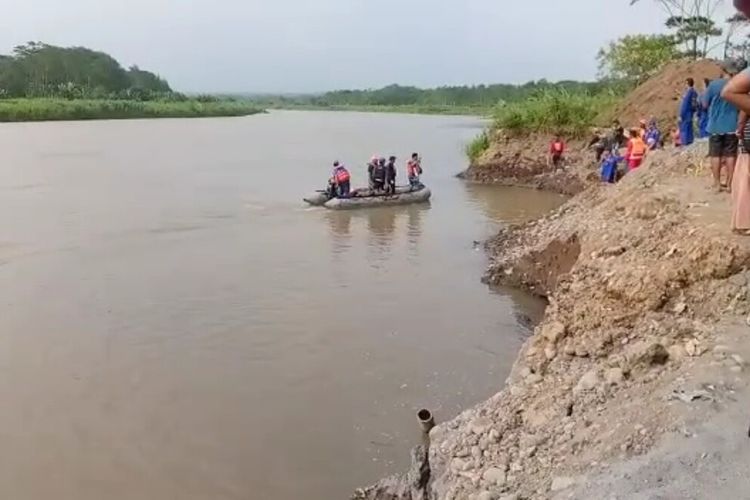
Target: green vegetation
(478,146)
(475,100)
(44,82)
(636,57)
(555,111)
(50,109)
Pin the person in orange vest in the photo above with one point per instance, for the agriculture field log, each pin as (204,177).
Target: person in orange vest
(340,181)
(636,151)
(414,170)
(556,151)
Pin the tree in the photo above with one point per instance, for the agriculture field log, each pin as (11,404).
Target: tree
(694,33)
(737,24)
(636,57)
(37,69)
(687,8)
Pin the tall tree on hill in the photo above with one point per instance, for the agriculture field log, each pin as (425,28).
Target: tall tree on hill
(694,34)
(693,24)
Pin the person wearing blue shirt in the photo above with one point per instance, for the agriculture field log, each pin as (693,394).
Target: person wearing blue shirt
(703,113)
(688,106)
(723,118)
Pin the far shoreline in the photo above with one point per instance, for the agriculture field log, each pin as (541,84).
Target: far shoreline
(57,109)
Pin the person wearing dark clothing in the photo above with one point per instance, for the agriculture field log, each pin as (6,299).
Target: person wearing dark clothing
(379,175)
(618,134)
(390,175)
(370,168)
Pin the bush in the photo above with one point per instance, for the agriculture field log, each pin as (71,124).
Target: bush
(554,111)
(478,146)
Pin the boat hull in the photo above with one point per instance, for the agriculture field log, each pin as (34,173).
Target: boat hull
(404,198)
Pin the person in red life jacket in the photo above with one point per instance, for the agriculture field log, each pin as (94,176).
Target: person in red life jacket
(636,151)
(556,151)
(414,170)
(340,180)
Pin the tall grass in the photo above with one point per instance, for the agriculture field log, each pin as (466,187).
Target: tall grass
(477,146)
(555,111)
(18,110)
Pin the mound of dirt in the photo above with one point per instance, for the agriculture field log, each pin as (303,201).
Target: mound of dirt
(659,97)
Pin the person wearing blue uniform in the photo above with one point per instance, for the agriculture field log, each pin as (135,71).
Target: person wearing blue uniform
(703,113)
(652,137)
(688,106)
(609,166)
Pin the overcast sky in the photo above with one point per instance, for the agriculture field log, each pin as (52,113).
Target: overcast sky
(314,45)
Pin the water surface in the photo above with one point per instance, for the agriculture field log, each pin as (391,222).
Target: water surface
(175,324)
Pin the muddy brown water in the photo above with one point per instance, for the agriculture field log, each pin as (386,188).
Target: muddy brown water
(175,324)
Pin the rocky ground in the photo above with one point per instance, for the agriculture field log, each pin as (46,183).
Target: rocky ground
(514,161)
(634,385)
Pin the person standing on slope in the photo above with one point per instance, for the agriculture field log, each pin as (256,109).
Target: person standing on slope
(688,106)
(636,151)
(723,117)
(556,151)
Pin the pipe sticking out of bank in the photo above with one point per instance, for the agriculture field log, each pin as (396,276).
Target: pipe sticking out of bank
(426,420)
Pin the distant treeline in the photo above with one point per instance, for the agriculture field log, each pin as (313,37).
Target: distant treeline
(41,70)
(476,96)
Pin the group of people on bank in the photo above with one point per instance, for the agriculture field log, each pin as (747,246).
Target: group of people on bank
(381,175)
(715,113)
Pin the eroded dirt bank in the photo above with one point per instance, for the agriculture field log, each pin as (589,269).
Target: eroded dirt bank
(642,348)
(514,161)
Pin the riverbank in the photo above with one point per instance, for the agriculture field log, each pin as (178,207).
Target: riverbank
(25,110)
(446,110)
(642,348)
(510,160)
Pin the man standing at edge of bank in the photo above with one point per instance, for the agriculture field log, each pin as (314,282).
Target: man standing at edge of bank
(723,117)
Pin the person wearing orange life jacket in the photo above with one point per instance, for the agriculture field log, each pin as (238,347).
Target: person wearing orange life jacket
(340,181)
(414,170)
(556,151)
(636,151)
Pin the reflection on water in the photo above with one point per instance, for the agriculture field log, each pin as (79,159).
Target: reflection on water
(510,204)
(384,226)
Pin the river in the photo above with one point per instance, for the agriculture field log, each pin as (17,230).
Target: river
(175,324)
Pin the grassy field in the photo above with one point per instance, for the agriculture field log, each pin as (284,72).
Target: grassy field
(24,110)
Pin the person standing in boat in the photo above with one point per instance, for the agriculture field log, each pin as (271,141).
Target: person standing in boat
(379,175)
(341,180)
(390,175)
(414,170)
(370,169)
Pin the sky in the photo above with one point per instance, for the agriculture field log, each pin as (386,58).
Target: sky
(317,45)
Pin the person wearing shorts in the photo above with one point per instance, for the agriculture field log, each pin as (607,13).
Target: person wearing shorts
(723,118)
